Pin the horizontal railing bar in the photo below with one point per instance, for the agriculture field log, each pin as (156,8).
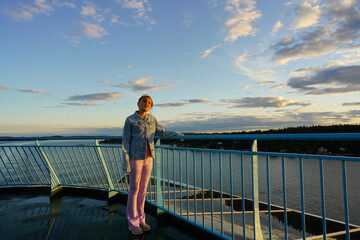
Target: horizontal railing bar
(293,136)
(64,146)
(86,186)
(57,138)
(178,191)
(229,213)
(30,185)
(198,200)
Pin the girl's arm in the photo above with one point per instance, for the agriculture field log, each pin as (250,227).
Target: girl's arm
(126,140)
(161,132)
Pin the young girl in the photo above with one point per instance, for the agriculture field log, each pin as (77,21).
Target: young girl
(138,151)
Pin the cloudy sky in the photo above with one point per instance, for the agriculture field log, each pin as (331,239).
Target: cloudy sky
(78,67)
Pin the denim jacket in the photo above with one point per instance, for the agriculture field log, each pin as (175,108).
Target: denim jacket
(137,132)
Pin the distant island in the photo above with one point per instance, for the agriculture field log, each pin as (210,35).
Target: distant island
(345,148)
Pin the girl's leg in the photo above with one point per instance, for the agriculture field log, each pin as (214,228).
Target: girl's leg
(134,178)
(145,176)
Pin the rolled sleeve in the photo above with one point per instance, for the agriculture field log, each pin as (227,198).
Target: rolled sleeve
(159,130)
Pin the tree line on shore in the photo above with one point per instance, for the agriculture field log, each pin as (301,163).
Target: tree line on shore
(349,148)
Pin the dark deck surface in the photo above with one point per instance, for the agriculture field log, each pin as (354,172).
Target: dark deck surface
(36,216)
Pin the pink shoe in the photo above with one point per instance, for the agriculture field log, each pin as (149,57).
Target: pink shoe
(136,230)
(145,227)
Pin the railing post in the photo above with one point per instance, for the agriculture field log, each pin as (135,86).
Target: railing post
(158,156)
(55,184)
(255,182)
(112,191)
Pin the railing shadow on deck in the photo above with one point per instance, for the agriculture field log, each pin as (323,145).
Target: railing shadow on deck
(231,194)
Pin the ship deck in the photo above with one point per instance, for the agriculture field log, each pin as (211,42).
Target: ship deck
(29,213)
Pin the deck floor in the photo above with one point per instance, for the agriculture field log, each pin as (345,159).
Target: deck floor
(33,216)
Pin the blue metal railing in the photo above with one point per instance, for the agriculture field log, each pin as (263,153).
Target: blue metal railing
(215,189)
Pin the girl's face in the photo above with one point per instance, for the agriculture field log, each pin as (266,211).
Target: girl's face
(145,104)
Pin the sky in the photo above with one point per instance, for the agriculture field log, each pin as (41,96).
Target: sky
(78,67)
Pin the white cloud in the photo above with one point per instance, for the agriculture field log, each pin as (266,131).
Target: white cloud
(351,104)
(3,87)
(140,85)
(340,29)
(263,102)
(347,60)
(218,122)
(138,5)
(114,19)
(341,9)
(241,58)
(63,4)
(337,80)
(26,12)
(311,44)
(209,51)
(19,15)
(245,87)
(93,31)
(35,91)
(241,20)
(266,82)
(44,7)
(90,99)
(276,27)
(278,86)
(266,72)
(306,16)
(90,11)
(188,18)
(240,63)
(184,103)
(142,10)
(75,40)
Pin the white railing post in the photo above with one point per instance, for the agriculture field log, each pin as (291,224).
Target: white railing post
(255,180)
(55,184)
(158,156)
(112,191)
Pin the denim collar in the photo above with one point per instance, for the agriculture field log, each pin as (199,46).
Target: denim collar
(145,118)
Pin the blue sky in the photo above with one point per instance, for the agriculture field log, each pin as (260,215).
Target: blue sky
(78,67)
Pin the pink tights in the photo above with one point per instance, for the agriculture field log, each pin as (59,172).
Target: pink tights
(139,179)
